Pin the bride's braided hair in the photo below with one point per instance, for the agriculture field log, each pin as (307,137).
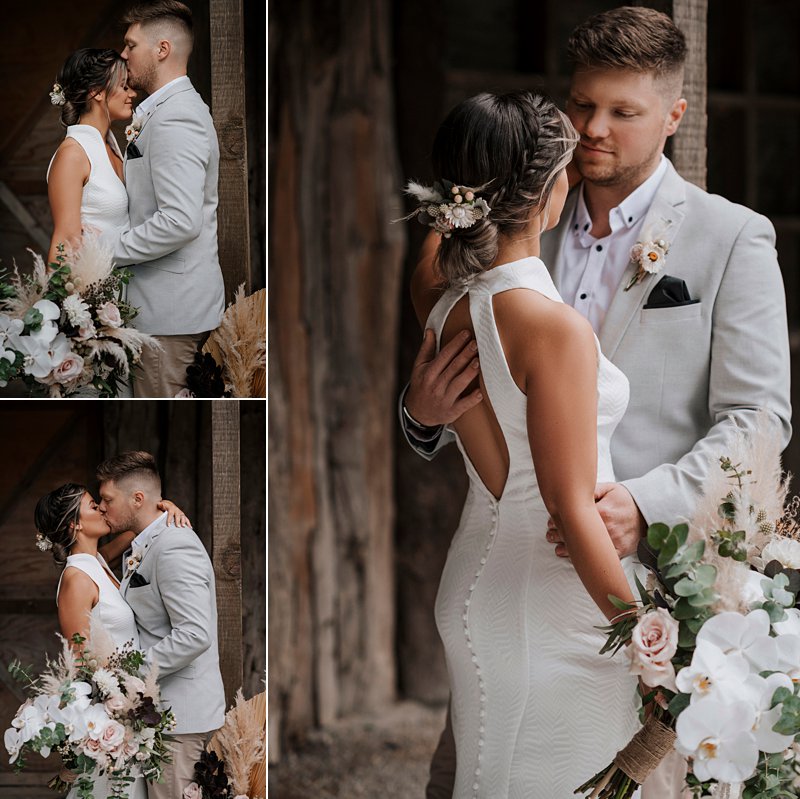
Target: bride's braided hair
(56,517)
(515,145)
(85,73)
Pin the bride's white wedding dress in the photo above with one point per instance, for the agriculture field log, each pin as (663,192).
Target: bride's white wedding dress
(116,617)
(536,711)
(104,202)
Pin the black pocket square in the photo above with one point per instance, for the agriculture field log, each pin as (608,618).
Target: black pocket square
(132,151)
(137,581)
(669,292)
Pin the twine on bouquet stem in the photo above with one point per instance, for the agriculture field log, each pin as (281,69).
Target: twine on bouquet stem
(646,749)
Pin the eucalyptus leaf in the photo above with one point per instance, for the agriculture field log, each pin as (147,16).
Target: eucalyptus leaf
(657,534)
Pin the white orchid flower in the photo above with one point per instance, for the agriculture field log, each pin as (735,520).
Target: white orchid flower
(745,635)
(42,356)
(29,721)
(788,646)
(97,719)
(13,743)
(51,313)
(718,735)
(759,692)
(790,625)
(785,550)
(712,673)
(10,329)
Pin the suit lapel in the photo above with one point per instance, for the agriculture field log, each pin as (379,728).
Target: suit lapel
(553,240)
(665,208)
(123,586)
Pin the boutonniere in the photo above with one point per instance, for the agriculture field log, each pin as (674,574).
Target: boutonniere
(133,560)
(649,257)
(133,130)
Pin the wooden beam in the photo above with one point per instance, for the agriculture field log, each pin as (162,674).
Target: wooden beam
(228,110)
(9,199)
(689,150)
(226,541)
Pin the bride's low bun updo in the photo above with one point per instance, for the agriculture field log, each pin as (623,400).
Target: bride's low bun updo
(56,516)
(84,73)
(514,146)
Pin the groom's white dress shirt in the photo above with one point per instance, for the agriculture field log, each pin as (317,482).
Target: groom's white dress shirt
(139,544)
(152,100)
(592,268)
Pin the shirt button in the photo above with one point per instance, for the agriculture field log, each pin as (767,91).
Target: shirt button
(630,219)
(599,247)
(583,296)
(586,226)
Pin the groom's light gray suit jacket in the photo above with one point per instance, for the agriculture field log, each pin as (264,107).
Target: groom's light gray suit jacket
(694,370)
(172,242)
(176,614)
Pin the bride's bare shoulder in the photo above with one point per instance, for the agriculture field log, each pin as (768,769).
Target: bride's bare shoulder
(70,157)
(532,325)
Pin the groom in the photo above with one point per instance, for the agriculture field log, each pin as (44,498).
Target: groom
(704,343)
(171,170)
(168,581)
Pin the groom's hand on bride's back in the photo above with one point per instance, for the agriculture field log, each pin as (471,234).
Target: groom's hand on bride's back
(621,515)
(438,380)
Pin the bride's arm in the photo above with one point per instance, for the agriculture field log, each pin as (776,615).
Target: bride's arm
(68,174)
(558,355)
(76,598)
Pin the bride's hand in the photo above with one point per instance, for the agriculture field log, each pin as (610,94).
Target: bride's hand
(174,514)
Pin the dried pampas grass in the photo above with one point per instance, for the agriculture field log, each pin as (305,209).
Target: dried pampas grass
(27,292)
(91,262)
(241,743)
(100,645)
(64,667)
(132,339)
(239,344)
(758,502)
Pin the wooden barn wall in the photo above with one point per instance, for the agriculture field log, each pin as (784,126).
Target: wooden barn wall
(335,263)
(46,444)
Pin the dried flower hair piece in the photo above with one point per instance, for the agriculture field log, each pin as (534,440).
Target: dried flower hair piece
(43,543)
(446,206)
(57,95)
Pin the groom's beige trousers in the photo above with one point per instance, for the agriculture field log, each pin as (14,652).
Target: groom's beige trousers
(162,373)
(666,782)
(186,750)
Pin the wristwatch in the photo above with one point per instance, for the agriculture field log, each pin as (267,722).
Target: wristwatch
(420,431)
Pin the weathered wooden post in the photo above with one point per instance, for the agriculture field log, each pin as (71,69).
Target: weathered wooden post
(226,541)
(228,110)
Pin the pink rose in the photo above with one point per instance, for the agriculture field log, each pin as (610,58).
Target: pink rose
(115,703)
(192,791)
(69,369)
(113,737)
(654,642)
(108,314)
(91,748)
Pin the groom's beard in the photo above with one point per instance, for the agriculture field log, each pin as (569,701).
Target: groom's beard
(128,523)
(144,81)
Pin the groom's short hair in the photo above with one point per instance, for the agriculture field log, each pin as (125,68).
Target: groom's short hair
(633,38)
(130,466)
(171,11)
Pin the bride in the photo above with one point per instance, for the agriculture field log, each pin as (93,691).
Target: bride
(85,179)
(70,525)
(535,709)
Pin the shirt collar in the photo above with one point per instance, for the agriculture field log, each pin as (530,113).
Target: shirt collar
(627,214)
(143,539)
(149,103)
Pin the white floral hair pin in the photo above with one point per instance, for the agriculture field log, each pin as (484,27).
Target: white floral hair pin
(649,256)
(57,95)
(446,206)
(43,543)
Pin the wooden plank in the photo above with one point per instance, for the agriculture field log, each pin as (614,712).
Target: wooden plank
(689,148)
(227,555)
(228,110)
(9,199)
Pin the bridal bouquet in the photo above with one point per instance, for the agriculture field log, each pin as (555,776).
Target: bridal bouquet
(716,638)
(65,330)
(100,711)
